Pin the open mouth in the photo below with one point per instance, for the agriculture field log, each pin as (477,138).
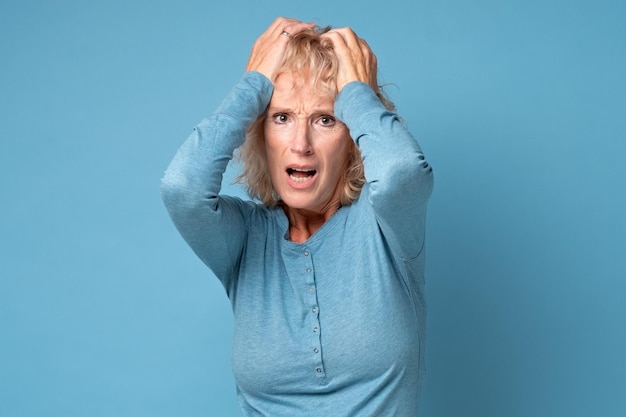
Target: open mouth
(300,175)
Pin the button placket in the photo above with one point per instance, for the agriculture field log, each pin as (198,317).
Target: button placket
(315,328)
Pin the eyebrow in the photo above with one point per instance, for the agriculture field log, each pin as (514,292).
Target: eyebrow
(287,109)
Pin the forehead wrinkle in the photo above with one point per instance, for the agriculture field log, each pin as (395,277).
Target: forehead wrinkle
(301,104)
(299,96)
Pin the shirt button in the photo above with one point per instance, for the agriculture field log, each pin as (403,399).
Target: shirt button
(308,270)
(316,350)
(311,289)
(306,253)
(318,370)
(314,310)
(315,329)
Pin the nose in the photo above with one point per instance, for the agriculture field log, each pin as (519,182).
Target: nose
(301,142)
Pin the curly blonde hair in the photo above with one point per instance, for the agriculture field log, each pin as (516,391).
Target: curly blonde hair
(308,52)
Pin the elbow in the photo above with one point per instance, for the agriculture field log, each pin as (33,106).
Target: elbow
(410,168)
(175,192)
(183,195)
(170,188)
(408,174)
(423,171)
(416,176)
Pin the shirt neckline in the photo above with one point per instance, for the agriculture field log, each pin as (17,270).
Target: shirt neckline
(324,230)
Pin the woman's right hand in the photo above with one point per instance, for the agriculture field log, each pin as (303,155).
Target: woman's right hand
(268,50)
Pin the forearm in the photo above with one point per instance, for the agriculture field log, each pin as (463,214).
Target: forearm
(196,171)
(399,178)
(191,185)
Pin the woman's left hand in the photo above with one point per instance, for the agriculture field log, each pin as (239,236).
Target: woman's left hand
(357,62)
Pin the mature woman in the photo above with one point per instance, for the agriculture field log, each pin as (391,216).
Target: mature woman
(325,269)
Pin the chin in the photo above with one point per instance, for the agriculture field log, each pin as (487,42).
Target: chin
(297,203)
(311,201)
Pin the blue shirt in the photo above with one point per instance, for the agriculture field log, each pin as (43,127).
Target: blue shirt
(334,326)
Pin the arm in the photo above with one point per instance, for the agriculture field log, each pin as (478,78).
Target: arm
(214,226)
(400,180)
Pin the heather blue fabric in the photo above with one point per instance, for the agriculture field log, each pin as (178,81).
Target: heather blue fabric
(334,326)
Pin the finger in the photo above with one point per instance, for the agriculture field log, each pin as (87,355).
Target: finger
(340,44)
(347,45)
(371,62)
(280,23)
(268,50)
(288,27)
(276,28)
(348,36)
(357,62)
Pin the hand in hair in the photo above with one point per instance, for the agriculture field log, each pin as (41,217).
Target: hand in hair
(268,50)
(357,62)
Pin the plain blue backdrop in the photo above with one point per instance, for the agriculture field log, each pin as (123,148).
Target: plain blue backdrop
(519,105)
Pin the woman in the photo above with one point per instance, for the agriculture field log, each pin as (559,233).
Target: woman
(325,273)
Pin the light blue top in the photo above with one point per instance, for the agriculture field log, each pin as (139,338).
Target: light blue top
(334,326)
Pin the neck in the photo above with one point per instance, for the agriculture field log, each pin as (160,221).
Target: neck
(304,223)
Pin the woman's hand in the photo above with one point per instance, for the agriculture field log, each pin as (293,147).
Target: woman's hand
(357,62)
(268,50)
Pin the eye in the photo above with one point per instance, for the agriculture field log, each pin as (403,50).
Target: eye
(280,118)
(326,120)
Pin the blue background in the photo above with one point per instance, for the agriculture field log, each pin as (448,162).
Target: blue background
(519,106)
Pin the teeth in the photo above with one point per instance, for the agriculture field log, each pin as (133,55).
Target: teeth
(300,178)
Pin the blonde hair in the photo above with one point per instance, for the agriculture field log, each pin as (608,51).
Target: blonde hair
(308,52)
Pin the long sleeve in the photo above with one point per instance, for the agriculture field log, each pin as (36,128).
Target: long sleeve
(214,225)
(400,180)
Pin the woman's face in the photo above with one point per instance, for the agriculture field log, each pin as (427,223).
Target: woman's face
(306,146)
